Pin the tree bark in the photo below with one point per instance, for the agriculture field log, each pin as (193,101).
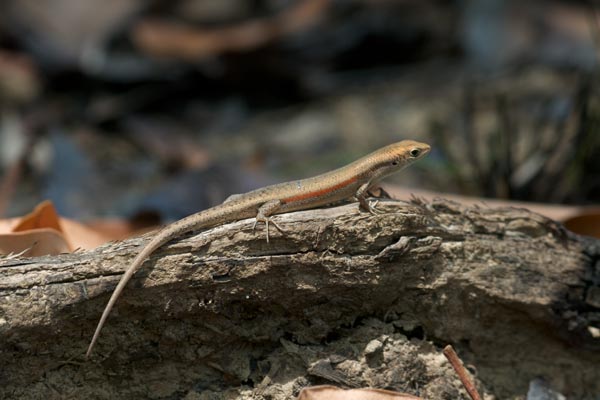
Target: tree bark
(339,297)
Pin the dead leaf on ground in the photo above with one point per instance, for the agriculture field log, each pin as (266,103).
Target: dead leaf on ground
(585,223)
(37,233)
(328,392)
(557,212)
(44,232)
(34,243)
(42,216)
(171,40)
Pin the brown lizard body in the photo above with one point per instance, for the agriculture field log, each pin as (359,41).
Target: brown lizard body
(350,181)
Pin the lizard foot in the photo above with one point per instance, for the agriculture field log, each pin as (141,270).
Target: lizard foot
(373,208)
(266,220)
(370,207)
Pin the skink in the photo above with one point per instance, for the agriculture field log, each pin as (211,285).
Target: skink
(351,181)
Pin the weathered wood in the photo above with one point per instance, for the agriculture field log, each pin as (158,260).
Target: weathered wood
(342,297)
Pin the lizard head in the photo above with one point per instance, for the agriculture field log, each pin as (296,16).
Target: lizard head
(406,152)
(399,155)
(395,157)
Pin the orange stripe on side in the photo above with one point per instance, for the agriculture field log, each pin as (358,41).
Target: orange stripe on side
(319,193)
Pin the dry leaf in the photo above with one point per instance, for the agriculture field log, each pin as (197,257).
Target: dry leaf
(42,216)
(167,39)
(556,212)
(44,232)
(34,243)
(585,223)
(36,234)
(327,392)
(82,236)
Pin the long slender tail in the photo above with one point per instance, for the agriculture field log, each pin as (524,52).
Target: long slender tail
(160,239)
(205,219)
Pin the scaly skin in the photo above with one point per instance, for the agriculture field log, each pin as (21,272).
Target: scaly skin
(351,181)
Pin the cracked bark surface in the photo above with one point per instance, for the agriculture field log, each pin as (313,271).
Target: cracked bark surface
(342,297)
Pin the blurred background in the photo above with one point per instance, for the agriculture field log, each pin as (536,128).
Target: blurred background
(158,109)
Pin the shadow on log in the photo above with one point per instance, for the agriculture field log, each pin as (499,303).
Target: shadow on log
(341,297)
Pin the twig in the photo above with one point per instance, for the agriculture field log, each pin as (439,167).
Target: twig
(461,371)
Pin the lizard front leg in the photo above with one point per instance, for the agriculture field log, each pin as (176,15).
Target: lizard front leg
(361,196)
(264,215)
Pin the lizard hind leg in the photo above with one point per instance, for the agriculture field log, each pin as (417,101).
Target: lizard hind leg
(264,215)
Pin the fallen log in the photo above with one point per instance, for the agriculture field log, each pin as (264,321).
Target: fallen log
(340,297)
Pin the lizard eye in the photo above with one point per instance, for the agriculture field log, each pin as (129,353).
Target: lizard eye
(415,152)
